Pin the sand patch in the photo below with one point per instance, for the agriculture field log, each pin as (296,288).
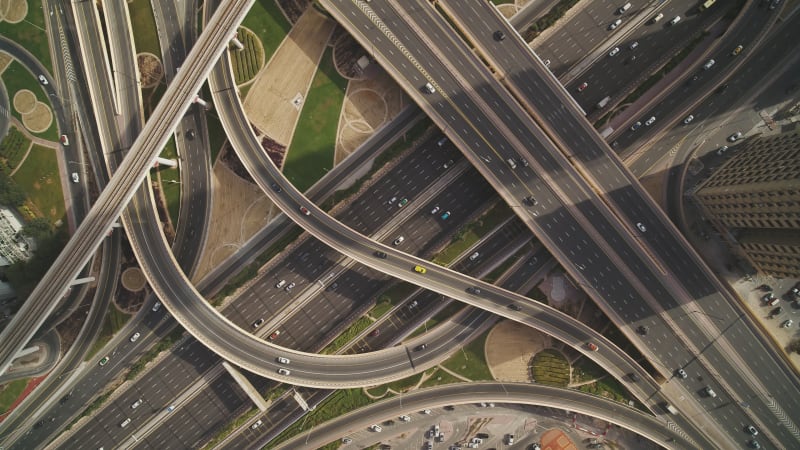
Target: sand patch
(13,11)
(509,349)
(24,101)
(38,120)
(5,60)
(272,102)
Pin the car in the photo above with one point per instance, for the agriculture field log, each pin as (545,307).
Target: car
(722,88)
(274,335)
(435,210)
(675,20)
(136,404)
(43,80)
(65,140)
(615,24)
(474,256)
(535,446)
(375,332)
(305,211)
(547,63)
(774,4)
(624,8)
(641,227)
(754,443)
(446,215)
(737,50)
(483,435)
(190,134)
(428,445)
(399,240)
(776,312)
(258,323)
(257,424)
(392,200)
(709,64)
(426,411)
(290,286)
(125,423)
(787,323)
(380,255)
(448,164)
(510,439)
(405,418)
(710,392)
(283,360)
(156,306)
(650,121)
(688,119)
(592,346)
(75,177)
(347,440)
(514,307)
(413,304)
(280,284)
(642,330)
(376,428)
(170,408)
(429,88)
(276,188)
(332,286)
(104,360)
(499,35)
(420,269)
(682,374)
(722,150)
(633,45)
(474,290)
(633,377)
(752,430)
(532,261)
(768,297)
(421,347)
(613,51)
(135,336)
(442,141)
(735,136)
(530,200)
(583,86)
(402,203)
(636,126)
(283,371)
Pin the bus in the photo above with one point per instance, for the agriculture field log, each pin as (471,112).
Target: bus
(707,4)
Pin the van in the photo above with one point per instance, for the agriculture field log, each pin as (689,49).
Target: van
(709,64)
(657,17)
(512,163)
(624,8)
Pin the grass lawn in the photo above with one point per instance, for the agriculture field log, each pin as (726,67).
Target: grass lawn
(266,20)
(16,77)
(472,232)
(311,152)
(30,34)
(40,179)
(13,149)
(115,320)
(502,2)
(170,181)
(550,367)
(11,392)
(248,61)
(347,335)
(439,377)
(470,361)
(145,36)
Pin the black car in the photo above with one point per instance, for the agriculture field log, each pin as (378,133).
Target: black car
(380,255)
(474,290)
(276,188)
(514,307)
(421,347)
(190,134)
(499,35)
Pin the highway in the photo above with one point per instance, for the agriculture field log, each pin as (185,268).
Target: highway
(116,196)
(458,394)
(694,283)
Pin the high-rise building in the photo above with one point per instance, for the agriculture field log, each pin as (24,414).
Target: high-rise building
(754,201)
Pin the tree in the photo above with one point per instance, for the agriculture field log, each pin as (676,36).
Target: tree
(10,193)
(37,228)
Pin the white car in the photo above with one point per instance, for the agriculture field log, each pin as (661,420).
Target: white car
(650,121)
(399,240)
(135,337)
(613,51)
(641,227)
(283,360)
(688,119)
(280,284)
(376,428)
(125,422)
(633,45)
(474,256)
(405,418)
(426,411)
(156,306)
(75,177)
(43,80)
(257,424)
(615,24)
(435,210)
(675,20)
(283,371)
(136,404)
(735,136)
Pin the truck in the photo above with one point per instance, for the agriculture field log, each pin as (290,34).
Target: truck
(670,408)
(602,103)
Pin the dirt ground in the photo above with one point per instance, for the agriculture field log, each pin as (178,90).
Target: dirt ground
(13,11)
(274,102)
(368,104)
(5,60)
(509,349)
(232,222)
(36,116)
